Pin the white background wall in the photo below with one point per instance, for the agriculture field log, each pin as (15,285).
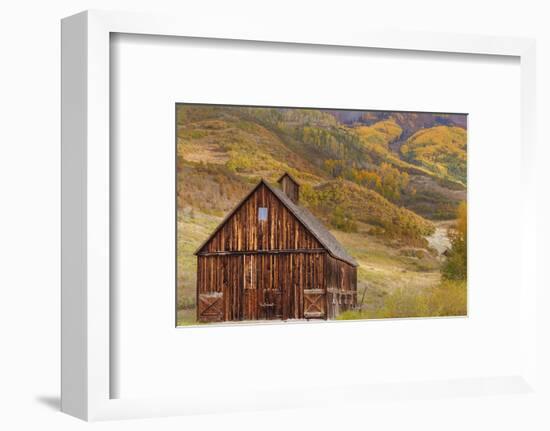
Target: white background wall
(30,183)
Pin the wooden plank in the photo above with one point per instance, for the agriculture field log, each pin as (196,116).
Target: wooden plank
(314,291)
(210,295)
(313,314)
(276,251)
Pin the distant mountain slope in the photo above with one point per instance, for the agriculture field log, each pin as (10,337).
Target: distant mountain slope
(409,122)
(441,149)
(243,144)
(380,134)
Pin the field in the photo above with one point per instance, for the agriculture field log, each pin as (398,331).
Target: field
(389,188)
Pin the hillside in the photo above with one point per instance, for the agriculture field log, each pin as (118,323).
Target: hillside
(340,200)
(222,153)
(313,146)
(228,138)
(441,150)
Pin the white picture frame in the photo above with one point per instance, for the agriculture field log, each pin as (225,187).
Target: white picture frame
(86,312)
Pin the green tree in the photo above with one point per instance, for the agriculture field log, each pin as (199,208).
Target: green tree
(455,267)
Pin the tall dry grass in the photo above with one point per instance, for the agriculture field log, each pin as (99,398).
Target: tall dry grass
(447,299)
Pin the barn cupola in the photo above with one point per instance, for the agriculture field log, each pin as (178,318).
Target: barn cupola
(290,187)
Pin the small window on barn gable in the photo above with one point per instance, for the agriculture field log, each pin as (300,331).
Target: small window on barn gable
(262,214)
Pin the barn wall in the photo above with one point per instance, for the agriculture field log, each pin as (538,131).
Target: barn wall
(291,189)
(243,231)
(261,286)
(341,282)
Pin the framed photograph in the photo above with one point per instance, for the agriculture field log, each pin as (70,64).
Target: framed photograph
(263,218)
(289,214)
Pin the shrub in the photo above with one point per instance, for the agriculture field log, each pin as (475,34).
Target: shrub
(240,163)
(343,220)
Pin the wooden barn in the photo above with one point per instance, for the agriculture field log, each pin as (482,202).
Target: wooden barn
(270,258)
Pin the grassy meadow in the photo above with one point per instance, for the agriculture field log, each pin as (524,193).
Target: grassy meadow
(391,187)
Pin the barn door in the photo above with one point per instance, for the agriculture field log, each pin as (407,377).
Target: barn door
(250,297)
(270,290)
(314,304)
(271,306)
(210,307)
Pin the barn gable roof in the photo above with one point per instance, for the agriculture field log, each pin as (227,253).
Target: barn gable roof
(286,174)
(310,222)
(317,229)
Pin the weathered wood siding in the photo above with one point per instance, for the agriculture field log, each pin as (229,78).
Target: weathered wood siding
(244,232)
(254,269)
(291,189)
(261,286)
(341,282)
